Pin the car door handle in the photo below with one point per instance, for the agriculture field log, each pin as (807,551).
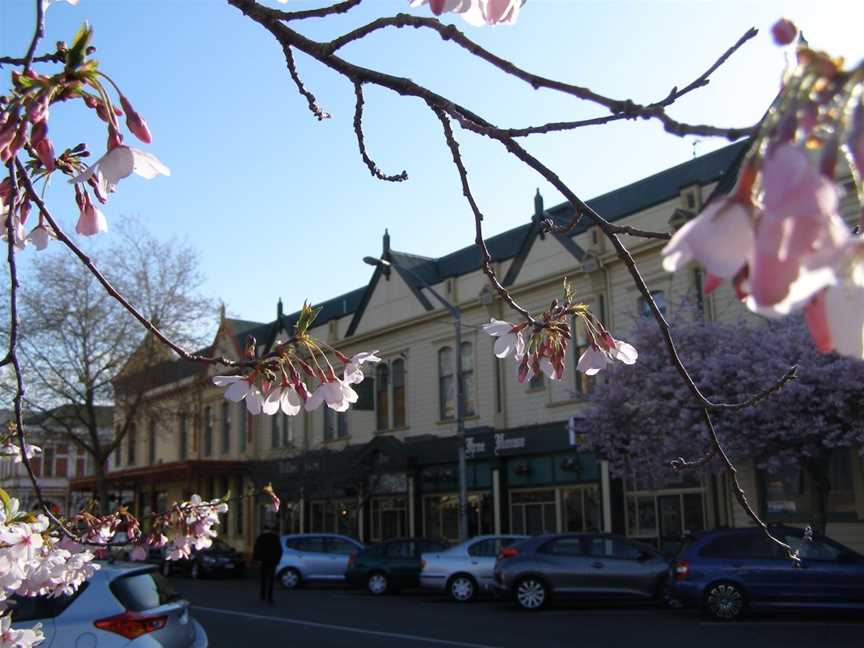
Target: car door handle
(598,565)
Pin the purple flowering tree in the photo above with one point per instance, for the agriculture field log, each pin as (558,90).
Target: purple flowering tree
(644,416)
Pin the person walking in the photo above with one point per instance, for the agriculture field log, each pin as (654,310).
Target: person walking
(267,552)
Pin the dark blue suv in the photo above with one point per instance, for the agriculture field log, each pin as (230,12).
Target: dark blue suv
(728,571)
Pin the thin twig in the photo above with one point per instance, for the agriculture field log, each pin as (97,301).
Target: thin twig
(620,109)
(479,240)
(316,110)
(37,35)
(55,57)
(358,130)
(338,8)
(738,491)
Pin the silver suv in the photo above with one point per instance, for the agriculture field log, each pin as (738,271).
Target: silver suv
(308,557)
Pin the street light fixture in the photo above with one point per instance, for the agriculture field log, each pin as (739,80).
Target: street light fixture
(456,314)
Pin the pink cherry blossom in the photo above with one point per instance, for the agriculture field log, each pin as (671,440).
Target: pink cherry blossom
(40,235)
(10,449)
(92,220)
(592,361)
(720,239)
(799,207)
(282,397)
(240,388)
(509,338)
(353,374)
(120,162)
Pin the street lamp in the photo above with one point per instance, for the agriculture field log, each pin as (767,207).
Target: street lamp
(460,401)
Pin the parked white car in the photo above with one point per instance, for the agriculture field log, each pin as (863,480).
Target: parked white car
(309,557)
(120,605)
(465,569)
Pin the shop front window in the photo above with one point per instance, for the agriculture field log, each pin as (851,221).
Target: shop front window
(532,512)
(789,490)
(664,517)
(334,516)
(582,508)
(441,515)
(389,517)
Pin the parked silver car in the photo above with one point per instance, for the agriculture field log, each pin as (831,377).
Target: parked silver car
(122,604)
(466,569)
(595,566)
(308,557)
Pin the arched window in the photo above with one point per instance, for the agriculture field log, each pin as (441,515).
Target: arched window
(226,427)
(398,368)
(208,432)
(446,385)
(382,405)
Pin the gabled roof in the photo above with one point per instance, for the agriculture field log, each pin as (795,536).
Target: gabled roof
(720,165)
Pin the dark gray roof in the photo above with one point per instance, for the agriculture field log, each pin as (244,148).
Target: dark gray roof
(71,415)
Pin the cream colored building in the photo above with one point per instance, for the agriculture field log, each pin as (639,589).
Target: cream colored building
(388,467)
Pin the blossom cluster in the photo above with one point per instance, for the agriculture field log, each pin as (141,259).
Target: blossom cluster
(35,561)
(282,379)
(477,12)
(24,117)
(779,236)
(546,349)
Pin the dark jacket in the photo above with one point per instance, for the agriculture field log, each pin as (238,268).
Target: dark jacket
(268,549)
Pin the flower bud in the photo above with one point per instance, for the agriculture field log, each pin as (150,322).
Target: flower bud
(115,139)
(38,110)
(135,123)
(784,31)
(45,152)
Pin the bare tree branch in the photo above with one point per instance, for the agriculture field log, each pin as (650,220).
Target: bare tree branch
(316,110)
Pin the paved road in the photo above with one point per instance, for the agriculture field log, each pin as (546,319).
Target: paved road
(333,616)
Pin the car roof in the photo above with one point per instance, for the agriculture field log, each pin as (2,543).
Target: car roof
(294,536)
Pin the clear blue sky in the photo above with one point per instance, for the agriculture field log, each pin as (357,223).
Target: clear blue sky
(281,205)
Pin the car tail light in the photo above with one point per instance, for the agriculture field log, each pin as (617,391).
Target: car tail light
(351,559)
(508,552)
(681,569)
(131,625)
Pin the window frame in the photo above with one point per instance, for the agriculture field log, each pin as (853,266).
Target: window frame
(225,430)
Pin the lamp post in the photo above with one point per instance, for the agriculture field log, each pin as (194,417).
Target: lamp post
(456,314)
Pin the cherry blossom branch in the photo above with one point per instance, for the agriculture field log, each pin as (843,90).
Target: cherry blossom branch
(13,339)
(316,110)
(37,35)
(620,109)
(109,288)
(358,130)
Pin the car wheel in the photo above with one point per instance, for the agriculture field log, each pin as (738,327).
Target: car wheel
(195,572)
(462,588)
(166,568)
(531,593)
(377,583)
(289,578)
(724,601)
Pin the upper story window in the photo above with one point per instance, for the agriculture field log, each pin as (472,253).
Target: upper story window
(151,443)
(659,299)
(182,435)
(335,424)
(281,431)
(447,383)
(382,401)
(48,462)
(208,432)
(243,419)
(226,427)
(398,368)
(389,394)
(131,442)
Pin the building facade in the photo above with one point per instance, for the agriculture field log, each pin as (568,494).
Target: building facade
(62,459)
(388,466)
